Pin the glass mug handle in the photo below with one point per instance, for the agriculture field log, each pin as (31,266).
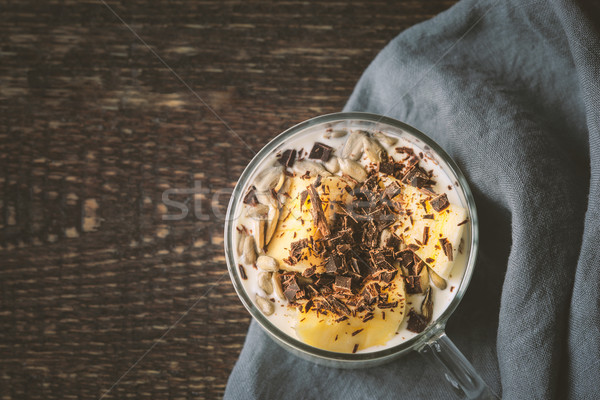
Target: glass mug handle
(457,369)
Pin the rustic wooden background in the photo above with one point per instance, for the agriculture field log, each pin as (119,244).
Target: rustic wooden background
(94,128)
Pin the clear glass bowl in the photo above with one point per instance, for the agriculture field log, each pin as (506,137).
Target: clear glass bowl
(432,341)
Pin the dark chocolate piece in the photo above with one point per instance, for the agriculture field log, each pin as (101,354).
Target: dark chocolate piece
(440,202)
(416,322)
(250,197)
(288,158)
(425,235)
(343,283)
(334,262)
(416,177)
(428,216)
(388,276)
(413,284)
(386,168)
(356,332)
(291,288)
(392,190)
(321,152)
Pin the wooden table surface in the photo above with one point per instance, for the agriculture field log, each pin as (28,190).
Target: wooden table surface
(104,108)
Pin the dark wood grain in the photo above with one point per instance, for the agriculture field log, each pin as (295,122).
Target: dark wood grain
(94,128)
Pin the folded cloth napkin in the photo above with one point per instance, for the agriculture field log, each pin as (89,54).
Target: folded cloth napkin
(511,90)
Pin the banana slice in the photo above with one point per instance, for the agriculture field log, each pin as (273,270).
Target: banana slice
(297,221)
(444,225)
(353,334)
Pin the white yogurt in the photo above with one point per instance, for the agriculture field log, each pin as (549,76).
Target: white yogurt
(283,316)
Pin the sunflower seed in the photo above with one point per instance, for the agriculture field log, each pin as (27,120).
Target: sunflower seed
(385,139)
(339,133)
(374,150)
(271,224)
(437,280)
(267,263)
(266,198)
(241,238)
(353,148)
(424,275)
(278,286)
(249,252)
(269,178)
(283,191)
(259,234)
(285,212)
(264,305)
(258,211)
(353,169)
(313,168)
(264,282)
(333,165)
(427,306)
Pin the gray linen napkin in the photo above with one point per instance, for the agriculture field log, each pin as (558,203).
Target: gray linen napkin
(511,90)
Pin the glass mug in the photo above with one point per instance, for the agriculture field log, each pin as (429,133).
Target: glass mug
(432,342)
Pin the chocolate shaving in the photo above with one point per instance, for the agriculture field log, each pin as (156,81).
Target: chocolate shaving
(425,235)
(447,248)
(316,209)
(463,222)
(428,216)
(242,271)
(338,306)
(288,158)
(368,316)
(440,202)
(356,332)
(387,305)
(308,305)
(303,197)
(317,181)
(355,348)
(321,152)
(296,251)
(448,251)
(413,247)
